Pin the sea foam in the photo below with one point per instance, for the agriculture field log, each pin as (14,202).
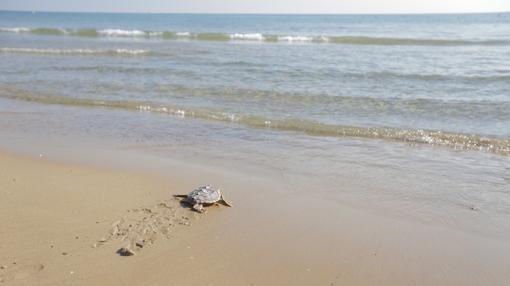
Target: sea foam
(125,52)
(15,30)
(249,36)
(122,33)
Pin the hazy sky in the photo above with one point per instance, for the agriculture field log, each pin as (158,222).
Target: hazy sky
(261,6)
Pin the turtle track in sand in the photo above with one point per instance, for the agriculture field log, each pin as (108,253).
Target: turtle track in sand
(141,227)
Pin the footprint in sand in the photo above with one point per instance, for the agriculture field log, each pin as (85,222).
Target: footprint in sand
(143,226)
(20,272)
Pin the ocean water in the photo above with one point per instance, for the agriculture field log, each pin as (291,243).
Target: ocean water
(412,108)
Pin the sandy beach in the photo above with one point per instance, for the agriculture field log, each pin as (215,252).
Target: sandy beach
(62,224)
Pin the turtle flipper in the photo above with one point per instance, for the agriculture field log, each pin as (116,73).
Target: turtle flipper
(225,202)
(180,196)
(185,200)
(199,208)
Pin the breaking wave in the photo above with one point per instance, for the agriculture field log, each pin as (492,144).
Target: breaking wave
(254,37)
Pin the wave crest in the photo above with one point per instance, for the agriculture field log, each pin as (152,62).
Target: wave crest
(122,33)
(258,37)
(119,52)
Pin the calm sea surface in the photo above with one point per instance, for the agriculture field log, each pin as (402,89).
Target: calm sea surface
(417,107)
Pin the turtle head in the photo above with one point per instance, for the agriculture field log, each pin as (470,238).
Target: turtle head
(223,201)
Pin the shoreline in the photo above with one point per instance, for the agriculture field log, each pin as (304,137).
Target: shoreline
(270,237)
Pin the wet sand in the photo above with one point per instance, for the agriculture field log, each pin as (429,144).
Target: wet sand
(62,224)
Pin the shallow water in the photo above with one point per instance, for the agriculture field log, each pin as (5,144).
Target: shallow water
(410,115)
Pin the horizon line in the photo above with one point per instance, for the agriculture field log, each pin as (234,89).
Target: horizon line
(259,13)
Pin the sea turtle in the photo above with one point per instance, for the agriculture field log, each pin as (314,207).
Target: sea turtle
(205,195)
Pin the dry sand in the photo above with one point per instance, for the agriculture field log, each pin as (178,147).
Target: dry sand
(62,223)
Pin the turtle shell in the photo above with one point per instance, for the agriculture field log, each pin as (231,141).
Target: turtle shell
(205,195)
